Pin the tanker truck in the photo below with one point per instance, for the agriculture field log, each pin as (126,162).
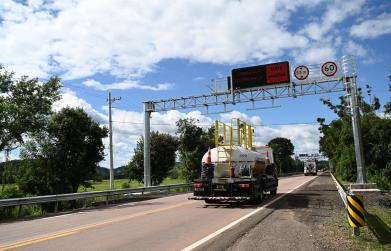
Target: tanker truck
(310,167)
(236,172)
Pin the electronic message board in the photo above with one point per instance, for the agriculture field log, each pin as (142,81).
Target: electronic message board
(261,75)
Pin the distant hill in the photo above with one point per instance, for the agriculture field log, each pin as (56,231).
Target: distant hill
(104,173)
(119,172)
(101,172)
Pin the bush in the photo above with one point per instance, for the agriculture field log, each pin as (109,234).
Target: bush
(11,192)
(125,185)
(173,174)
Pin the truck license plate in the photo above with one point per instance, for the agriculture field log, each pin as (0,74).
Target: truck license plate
(220,187)
(199,189)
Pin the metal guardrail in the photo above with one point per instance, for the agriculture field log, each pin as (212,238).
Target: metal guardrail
(341,190)
(85,195)
(75,196)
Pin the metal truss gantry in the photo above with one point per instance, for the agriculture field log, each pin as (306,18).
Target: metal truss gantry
(344,81)
(293,89)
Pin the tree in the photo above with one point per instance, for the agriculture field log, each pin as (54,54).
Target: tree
(194,143)
(25,105)
(337,142)
(163,148)
(282,149)
(65,156)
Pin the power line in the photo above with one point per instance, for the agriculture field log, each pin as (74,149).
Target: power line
(167,124)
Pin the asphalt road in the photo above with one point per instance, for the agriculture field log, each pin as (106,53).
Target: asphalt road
(169,223)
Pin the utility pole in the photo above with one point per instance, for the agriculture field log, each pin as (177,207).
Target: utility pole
(348,67)
(111,100)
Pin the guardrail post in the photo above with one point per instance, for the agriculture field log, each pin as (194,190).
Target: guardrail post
(19,211)
(356,213)
(56,206)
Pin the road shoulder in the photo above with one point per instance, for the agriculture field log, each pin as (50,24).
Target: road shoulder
(297,223)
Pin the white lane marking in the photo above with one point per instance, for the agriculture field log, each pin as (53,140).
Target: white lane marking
(221,230)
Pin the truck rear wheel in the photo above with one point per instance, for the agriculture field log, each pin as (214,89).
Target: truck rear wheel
(260,196)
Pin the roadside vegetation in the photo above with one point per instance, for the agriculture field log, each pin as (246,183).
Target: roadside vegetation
(337,140)
(338,234)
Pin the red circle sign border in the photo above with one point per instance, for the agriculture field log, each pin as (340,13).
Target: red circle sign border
(308,71)
(336,68)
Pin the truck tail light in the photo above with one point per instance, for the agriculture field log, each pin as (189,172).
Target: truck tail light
(244,185)
(232,172)
(197,185)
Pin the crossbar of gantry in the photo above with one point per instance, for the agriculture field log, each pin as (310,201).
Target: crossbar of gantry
(294,89)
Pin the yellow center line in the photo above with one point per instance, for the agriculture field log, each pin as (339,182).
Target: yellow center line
(88,226)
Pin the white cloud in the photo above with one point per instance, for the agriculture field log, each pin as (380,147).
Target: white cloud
(373,28)
(129,84)
(353,48)
(315,54)
(127,38)
(324,33)
(70,99)
(336,12)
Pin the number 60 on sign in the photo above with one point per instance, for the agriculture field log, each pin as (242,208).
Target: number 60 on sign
(329,69)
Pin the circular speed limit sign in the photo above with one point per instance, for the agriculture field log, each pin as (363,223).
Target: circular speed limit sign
(301,72)
(329,69)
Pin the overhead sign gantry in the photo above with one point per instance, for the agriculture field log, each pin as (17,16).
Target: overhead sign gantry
(270,82)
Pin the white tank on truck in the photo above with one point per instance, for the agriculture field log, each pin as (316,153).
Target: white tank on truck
(243,161)
(235,170)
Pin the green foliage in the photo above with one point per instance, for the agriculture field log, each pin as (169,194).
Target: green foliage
(10,191)
(194,143)
(337,142)
(283,149)
(63,157)
(9,171)
(25,105)
(125,185)
(163,147)
(174,173)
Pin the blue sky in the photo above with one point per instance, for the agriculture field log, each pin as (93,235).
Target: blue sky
(151,50)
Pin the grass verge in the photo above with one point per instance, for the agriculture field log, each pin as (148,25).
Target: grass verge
(337,235)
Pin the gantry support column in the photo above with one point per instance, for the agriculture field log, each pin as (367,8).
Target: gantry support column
(148,109)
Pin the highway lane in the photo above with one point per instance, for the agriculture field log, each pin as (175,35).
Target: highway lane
(169,223)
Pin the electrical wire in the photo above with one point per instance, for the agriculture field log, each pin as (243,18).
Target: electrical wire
(279,124)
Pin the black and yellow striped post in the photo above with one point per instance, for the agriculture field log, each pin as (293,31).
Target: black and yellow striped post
(356,212)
